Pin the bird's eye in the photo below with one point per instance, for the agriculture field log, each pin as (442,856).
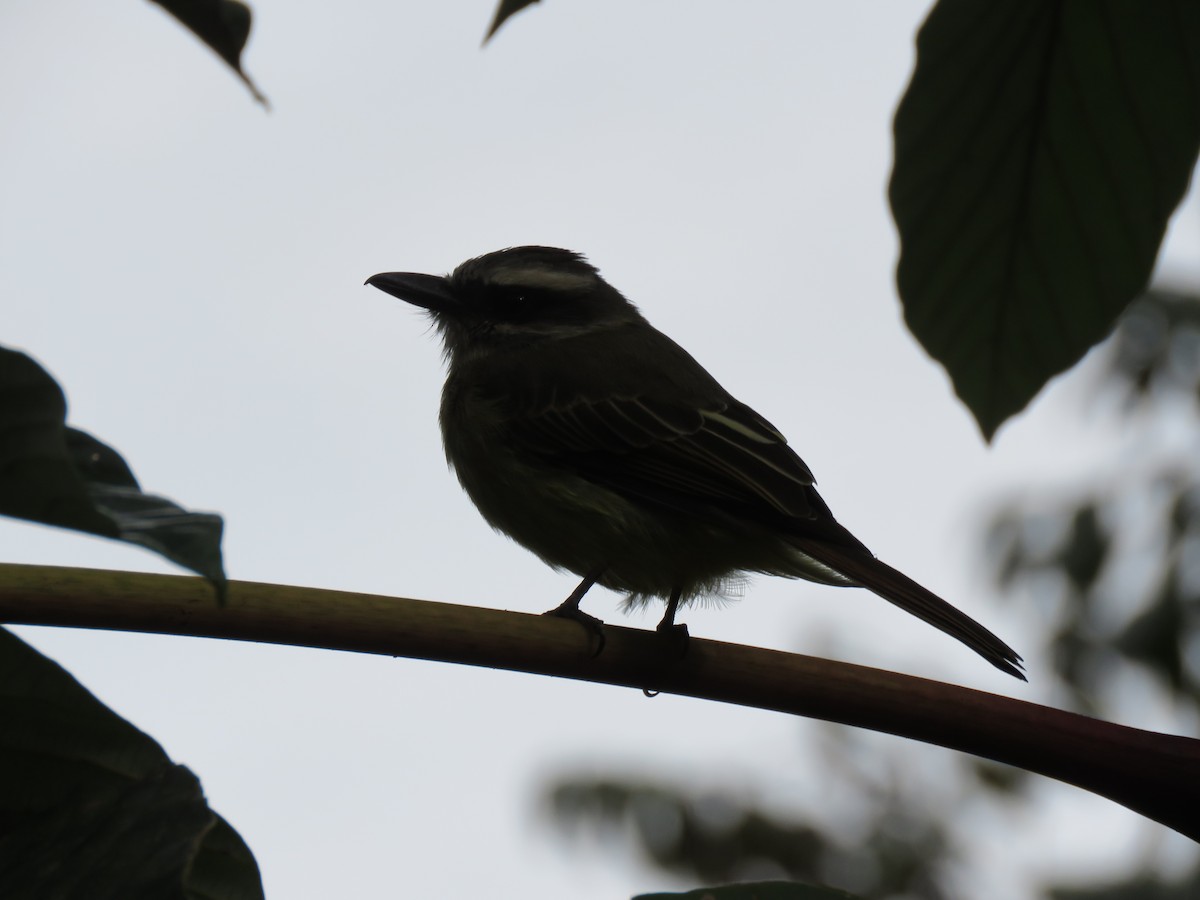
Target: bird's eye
(518,298)
(518,303)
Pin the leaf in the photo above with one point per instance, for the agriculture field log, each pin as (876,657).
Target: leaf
(60,476)
(1148,884)
(1086,548)
(92,807)
(763,890)
(1156,637)
(506,9)
(1040,150)
(714,837)
(1155,350)
(222,24)
(709,838)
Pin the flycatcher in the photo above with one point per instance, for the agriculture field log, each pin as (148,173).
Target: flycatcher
(597,442)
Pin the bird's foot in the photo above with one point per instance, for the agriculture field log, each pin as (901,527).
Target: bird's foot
(593,626)
(675,636)
(675,639)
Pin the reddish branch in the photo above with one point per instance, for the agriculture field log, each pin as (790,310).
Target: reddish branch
(1156,775)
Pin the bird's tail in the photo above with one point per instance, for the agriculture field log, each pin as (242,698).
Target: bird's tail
(896,587)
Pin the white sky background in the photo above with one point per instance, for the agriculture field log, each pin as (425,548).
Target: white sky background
(190,268)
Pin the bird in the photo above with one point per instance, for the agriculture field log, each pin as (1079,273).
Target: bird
(597,442)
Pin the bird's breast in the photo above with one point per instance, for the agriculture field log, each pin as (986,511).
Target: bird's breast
(565,519)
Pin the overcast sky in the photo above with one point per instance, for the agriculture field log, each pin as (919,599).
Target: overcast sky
(190,268)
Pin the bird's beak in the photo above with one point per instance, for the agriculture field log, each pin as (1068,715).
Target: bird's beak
(431,292)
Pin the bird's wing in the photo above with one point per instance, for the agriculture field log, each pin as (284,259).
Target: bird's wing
(717,454)
(691,447)
(726,457)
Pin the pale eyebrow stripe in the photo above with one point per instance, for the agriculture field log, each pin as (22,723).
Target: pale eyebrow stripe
(541,277)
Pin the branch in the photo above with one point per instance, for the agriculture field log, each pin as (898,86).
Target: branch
(1152,774)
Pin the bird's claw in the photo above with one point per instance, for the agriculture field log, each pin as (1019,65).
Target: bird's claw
(593,626)
(676,636)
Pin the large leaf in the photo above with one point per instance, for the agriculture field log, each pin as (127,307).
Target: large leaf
(92,807)
(1040,150)
(222,24)
(57,475)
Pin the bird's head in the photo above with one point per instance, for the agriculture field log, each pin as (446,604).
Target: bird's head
(512,297)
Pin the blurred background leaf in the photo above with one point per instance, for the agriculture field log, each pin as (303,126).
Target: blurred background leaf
(766,890)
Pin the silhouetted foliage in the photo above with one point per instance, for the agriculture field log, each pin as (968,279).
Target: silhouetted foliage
(1143,525)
